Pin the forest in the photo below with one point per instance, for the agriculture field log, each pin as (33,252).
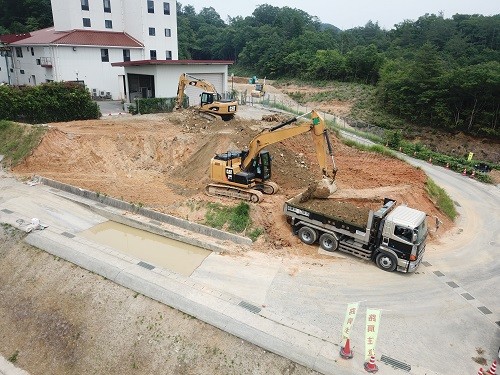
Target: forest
(434,71)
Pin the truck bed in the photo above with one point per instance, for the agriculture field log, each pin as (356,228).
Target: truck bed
(336,210)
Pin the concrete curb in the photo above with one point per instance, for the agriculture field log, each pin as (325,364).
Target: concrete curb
(7,368)
(164,218)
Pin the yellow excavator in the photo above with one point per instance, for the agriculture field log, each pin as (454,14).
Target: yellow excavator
(211,101)
(246,174)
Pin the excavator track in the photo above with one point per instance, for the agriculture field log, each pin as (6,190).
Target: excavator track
(218,190)
(270,187)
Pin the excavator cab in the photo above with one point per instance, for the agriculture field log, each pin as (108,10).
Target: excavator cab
(261,166)
(207,98)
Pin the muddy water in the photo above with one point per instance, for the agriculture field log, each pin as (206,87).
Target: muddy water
(151,248)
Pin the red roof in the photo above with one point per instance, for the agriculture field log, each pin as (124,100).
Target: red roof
(10,38)
(80,38)
(99,38)
(173,62)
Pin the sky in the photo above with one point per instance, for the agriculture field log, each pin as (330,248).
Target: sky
(352,13)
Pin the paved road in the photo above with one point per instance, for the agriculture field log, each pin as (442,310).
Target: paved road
(432,321)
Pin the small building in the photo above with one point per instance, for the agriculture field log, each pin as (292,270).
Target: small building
(160,78)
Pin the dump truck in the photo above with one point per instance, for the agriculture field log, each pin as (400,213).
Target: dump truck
(394,237)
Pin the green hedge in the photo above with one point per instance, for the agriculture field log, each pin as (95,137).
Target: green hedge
(155,105)
(48,102)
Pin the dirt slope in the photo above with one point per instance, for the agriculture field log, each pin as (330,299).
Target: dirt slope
(162,161)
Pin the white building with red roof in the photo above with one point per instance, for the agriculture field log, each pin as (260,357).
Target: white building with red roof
(87,37)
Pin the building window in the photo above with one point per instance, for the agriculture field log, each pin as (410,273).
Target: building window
(152,54)
(151,6)
(86,22)
(108,24)
(21,71)
(38,62)
(19,52)
(152,31)
(168,32)
(126,55)
(168,55)
(32,52)
(107,6)
(166,8)
(85,4)
(104,55)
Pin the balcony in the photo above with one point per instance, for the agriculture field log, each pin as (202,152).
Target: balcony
(46,62)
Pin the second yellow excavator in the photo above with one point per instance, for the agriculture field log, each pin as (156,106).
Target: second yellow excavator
(246,174)
(211,101)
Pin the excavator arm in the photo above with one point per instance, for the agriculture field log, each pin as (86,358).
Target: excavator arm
(277,134)
(185,80)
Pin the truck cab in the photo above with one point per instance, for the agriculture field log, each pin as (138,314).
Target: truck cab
(402,245)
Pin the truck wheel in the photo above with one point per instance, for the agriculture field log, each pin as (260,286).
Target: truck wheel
(308,235)
(328,242)
(387,262)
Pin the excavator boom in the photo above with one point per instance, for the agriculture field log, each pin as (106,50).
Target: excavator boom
(277,134)
(245,174)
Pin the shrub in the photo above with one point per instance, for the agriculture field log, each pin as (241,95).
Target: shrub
(48,102)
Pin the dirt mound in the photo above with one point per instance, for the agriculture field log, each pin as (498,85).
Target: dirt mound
(162,161)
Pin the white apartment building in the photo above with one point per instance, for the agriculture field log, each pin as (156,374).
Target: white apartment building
(87,37)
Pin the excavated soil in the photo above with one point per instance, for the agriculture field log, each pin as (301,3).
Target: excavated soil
(345,210)
(162,162)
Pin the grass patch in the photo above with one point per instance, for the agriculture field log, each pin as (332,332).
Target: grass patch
(441,199)
(255,233)
(13,357)
(18,140)
(235,219)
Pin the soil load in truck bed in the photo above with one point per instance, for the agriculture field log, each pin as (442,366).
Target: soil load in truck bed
(339,210)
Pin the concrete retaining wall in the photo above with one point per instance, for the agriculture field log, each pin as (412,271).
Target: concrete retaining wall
(158,216)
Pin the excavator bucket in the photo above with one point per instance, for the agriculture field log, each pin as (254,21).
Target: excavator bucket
(321,189)
(324,188)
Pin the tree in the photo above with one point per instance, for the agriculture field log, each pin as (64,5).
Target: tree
(363,64)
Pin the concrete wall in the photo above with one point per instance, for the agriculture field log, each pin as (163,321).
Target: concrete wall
(167,76)
(4,73)
(130,16)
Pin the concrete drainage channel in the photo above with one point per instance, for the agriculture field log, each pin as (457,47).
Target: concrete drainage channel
(104,203)
(301,343)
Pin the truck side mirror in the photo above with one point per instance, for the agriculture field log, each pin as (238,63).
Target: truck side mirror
(414,236)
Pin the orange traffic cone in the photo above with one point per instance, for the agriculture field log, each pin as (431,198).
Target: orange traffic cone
(480,372)
(473,174)
(464,173)
(371,366)
(493,368)
(345,351)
